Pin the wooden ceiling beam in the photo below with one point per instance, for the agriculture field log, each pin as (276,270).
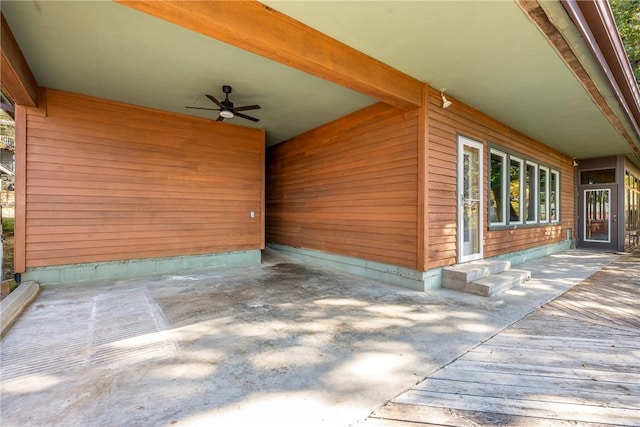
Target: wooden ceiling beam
(15,75)
(257,28)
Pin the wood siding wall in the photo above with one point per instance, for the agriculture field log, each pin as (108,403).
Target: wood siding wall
(107,181)
(444,128)
(349,187)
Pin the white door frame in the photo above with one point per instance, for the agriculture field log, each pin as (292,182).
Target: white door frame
(464,142)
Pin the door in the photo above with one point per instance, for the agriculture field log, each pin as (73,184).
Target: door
(470,191)
(599,217)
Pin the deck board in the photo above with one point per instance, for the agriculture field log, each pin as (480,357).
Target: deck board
(574,361)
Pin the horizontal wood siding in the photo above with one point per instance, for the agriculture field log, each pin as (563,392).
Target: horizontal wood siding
(349,187)
(108,181)
(444,128)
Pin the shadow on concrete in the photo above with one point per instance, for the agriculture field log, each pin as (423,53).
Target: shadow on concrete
(283,343)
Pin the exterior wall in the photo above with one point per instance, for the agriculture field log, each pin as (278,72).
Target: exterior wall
(444,128)
(349,187)
(624,223)
(107,181)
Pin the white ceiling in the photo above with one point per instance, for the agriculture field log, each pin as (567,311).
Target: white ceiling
(486,53)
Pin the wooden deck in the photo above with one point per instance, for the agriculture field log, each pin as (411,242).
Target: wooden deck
(575,361)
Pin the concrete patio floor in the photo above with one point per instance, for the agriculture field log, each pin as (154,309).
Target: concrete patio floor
(280,344)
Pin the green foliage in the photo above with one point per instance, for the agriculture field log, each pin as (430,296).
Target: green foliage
(7,225)
(627,16)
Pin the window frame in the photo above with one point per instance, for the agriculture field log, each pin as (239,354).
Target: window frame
(557,194)
(525,163)
(546,195)
(520,188)
(503,186)
(533,186)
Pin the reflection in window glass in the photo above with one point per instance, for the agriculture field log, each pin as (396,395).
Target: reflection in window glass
(543,192)
(597,216)
(530,193)
(497,190)
(521,191)
(515,174)
(600,176)
(554,188)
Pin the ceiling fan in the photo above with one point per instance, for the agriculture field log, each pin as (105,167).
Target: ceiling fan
(227,110)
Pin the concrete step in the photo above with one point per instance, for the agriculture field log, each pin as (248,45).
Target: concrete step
(457,276)
(497,283)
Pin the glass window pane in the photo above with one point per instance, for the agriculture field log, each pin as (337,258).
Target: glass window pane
(601,176)
(497,191)
(471,208)
(530,193)
(515,174)
(543,192)
(597,219)
(554,194)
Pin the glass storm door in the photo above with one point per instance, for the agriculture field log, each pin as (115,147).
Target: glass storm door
(598,217)
(469,199)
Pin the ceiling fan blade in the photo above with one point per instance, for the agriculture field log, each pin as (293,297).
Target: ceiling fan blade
(244,116)
(219,119)
(215,101)
(247,107)
(200,108)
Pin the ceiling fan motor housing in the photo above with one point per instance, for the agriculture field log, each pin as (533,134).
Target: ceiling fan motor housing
(227,105)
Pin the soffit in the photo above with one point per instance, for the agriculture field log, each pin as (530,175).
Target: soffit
(487,54)
(110,51)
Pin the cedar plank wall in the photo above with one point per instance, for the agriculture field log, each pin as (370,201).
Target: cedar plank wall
(348,187)
(108,181)
(444,126)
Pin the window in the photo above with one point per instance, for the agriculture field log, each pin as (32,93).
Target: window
(554,194)
(521,191)
(497,186)
(631,207)
(601,176)
(530,192)
(515,190)
(543,191)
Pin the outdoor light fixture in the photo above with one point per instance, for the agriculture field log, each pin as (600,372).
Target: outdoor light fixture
(226,114)
(445,102)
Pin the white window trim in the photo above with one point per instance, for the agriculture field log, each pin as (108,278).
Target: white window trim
(505,194)
(546,192)
(520,196)
(556,191)
(536,198)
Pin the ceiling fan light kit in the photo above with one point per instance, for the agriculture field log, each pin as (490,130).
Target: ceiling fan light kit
(227,110)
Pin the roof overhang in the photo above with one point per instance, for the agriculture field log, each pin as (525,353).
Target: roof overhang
(310,62)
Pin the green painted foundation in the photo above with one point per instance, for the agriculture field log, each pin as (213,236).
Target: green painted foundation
(402,276)
(520,257)
(139,267)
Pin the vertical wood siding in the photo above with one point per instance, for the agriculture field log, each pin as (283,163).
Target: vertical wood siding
(444,128)
(349,187)
(108,181)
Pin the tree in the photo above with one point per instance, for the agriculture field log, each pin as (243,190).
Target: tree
(7,131)
(627,16)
